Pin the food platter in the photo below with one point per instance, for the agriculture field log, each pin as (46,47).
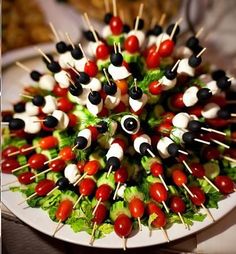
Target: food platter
(39,220)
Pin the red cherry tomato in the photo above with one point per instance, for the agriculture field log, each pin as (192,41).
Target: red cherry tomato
(155,87)
(120,108)
(100,214)
(64,104)
(57,165)
(103,192)
(37,160)
(121,142)
(94,132)
(8,165)
(181,157)
(91,68)
(156,169)
(67,154)
(132,44)
(199,196)
(166,48)
(158,192)
(176,101)
(121,175)
(225,184)
(195,110)
(179,177)
(197,169)
(160,221)
(153,60)
(217,122)
(177,205)
(104,112)
(28,152)
(24,178)
(210,153)
(123,225)
(59,92)
(92,167)
(167,117)
(102,52)
(44,187)
(8,150)
(87,187)
(73,120)
(116,25)
(48,142)
(64,210)
(164,128)
(136,207)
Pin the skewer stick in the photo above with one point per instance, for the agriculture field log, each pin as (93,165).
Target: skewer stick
(70,40)
(163,182)
(220,143)
(43,54)
(233,115)
(202,141)
(135,84)
(151,153)
(54,31)
(187,166)
(41,173)
(228,158)
(57,228)
(51,191)
(26,96)
(188,190)
(211,183)
(165,234)
(19,168)
(213,130)
(22,66)
(162,19)
(201,52)
(107,6)
(81,48)
(77,201)
(182,220)
(92,234)
(139,224)
(199,32)
(183,152)
(74,147)
(30,148)
(96,207)
(73,69)
(91,27)
(14,153)
(175,66)
(109,171)
(208,212)
(136,23)
(140,12)
(82,177)
(231,102)
(175,27)
(119,47)
(230,79)
(47,162)
(114,8)
(115,49)
(31,196)
(165,206)
(124,242)
(117,188)
(107,78)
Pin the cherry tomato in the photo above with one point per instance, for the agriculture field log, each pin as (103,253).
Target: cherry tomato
(166,48)
(44,187)
(167,117)
(8,150)
(48,142)
(219,100)
(59,92)
(131,44)
(28,152)
(158,192)
(102,52)
(104,112)
(92,167)
(197,169)
(37,160)
(57,165)
(182,157)
(119,108)
(9,164)
(64,210)
(199,196)
(225,184)
(94,132)
(67,154)
(155,87)
(195,110)
(87,186)
(164,128)
(136,207)
(179,177)
(103,192)
(231,152)
(160,221)
(100,214)
(177,205)
(80,166)
(123,225)
(121,175)
(122,85)
(156,169)
(24,178)
(73,120)
(121,142)
(64,104)
(91,68)
(153,60)
(210,153)
(116,25)
(217,122)
(176,101)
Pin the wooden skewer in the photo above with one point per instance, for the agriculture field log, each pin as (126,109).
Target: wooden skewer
(41,173)
(92,234)
(163,182)
(81,48)
(140,12)
(26,96)
(96,207)
(175,27)
(24,67)
(228,158)
(54,32)
(162,19)
(201,52)
(182,220)
(73,69)
(124,242)
(136,23)
(165,234)
(213,130)
(199,32)
(77,201)
(122,15)
(107,6)
(51,191)
(16,169)
(43,54)
(211,183)
(82,177)
(165,206)
(220,143)
(117,188)
(230,79)
(175,66)
(109,171)
(187,166)
(139,224)
(57,228)
(90,27)
(233,115)
(70,40)
(47,162)
(153,22)
(151,153)
(114,8)
(208,212)
(183,152)
(188,190)
(202,141)
(115,49)
(107,78)
(119,47)
(135,84)
(31,196)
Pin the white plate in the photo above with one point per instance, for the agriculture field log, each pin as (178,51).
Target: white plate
(39,219)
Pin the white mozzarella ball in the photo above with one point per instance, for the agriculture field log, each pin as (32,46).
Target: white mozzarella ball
(118,72)
(94,84)
(47,82)
(62,78)
(166,83)
(31,125)
(94,109)
(185,68)
(213,87)
(190,96)
(72,173)
(136,105)
(31,109)
(111,101)
(183,52)
(210,110)
(176,134)
(66,60)
(162,145)
(106,31)
(162,37)
(50,104)
(151,40)
(121,191)
(140,140)
(115,150)
(63,119)
(181,120)
(80,63)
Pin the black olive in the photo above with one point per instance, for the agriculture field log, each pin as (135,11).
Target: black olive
(171,27)
(218,74)
(130,124)
(170,74)
(38,100)
(194,125)
(173,149)
(16,124)
(75,89)
(62,183)
(157,30)
(19,107)
(76,53)
(111,88)
(140,23)
(194,61)
(94,97)
(223,113)
(188,137)
(54,67)
(116,59)
(102,127)
(204,94)
(126,28)
(83,78)
(144,147)
(192,43)
(61,47)
(114,162)
(81,142)
(223,83)
(107,17)
(35,75)
(50,122)
(135,93)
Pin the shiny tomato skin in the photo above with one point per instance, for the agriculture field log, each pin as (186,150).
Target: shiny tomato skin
(123,226)
(158,192)
(64,210)
(44,187)
(136,207)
